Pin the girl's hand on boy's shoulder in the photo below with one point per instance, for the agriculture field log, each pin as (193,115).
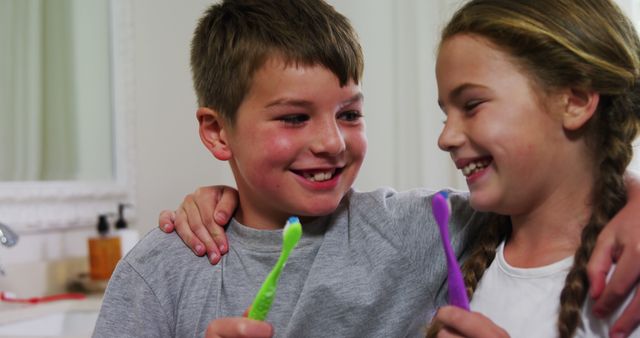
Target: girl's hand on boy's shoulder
(238,327)
(458,322)
(200,220)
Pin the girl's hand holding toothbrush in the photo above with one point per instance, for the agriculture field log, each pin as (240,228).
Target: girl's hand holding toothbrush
(458,322)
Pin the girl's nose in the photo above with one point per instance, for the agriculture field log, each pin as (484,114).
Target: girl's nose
(452,135)
(328,139)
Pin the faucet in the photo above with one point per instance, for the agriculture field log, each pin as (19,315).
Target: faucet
(8,238)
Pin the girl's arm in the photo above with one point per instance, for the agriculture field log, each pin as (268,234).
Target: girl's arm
(618,243)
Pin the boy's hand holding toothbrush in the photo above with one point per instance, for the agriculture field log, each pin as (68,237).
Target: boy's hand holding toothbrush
(238,327)
(254,326)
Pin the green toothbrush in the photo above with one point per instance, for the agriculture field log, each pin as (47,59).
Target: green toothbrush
(262,303)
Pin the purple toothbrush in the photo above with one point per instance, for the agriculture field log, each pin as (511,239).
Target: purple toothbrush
(457,291)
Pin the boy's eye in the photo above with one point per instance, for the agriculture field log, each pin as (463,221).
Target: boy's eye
(295,119)
(350,115)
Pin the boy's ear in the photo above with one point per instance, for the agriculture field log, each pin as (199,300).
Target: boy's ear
(580,105)
(213,133)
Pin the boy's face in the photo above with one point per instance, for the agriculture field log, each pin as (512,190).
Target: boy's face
(297,143)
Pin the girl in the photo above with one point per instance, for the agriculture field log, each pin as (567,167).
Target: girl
(541,105)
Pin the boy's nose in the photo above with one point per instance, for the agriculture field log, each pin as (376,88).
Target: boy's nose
(328,140)
(452,136)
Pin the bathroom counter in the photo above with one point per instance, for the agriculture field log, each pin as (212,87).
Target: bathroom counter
(62,318)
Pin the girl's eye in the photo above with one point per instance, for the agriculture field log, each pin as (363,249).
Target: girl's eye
(294,119)
(350,115)
(471,105)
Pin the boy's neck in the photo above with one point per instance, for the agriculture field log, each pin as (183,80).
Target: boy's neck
(256,222)
(266,223)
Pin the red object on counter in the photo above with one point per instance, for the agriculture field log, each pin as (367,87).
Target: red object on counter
(6,297)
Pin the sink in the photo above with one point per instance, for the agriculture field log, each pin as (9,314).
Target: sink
(71,318)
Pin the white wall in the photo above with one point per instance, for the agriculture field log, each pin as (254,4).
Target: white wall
(170,160)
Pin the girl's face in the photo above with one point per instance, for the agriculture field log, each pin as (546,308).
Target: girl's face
(500,129)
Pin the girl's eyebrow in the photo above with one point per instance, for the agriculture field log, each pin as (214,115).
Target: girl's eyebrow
(456,92)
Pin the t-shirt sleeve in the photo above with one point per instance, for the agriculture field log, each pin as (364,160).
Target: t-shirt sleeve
(130,308)
(414,221)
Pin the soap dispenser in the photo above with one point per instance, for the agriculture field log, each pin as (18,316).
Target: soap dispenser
(128,236)
(104,251)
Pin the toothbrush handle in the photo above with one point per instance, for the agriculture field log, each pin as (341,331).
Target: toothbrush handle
(457,289)
(262,303)
(267,293)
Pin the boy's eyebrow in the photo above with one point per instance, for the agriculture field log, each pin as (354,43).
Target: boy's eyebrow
(307,104)
(289,102)
(353,99)
(455,93)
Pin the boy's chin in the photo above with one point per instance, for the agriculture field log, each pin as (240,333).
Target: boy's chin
(320,210)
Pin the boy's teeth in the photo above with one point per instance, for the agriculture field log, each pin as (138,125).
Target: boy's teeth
(473,167)
(319,177)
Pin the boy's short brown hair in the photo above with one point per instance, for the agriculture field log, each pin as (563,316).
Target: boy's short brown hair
(235,37)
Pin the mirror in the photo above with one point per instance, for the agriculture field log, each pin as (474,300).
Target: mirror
(56,92)
(66,141)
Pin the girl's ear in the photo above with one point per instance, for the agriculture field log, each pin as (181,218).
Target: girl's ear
(579,108)
(213,133)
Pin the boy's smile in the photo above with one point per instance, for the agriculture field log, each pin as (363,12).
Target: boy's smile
(296,145)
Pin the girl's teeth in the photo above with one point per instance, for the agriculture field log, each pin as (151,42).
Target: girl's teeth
(319,177)
(473,167)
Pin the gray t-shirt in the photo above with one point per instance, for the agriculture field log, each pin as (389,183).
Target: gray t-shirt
(373,268)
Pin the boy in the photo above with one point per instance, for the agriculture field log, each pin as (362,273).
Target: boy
(278,87)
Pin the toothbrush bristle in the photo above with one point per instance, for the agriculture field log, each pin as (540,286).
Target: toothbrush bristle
(293,229)
(446,197)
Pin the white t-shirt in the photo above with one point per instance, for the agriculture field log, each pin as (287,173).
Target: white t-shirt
(525,302)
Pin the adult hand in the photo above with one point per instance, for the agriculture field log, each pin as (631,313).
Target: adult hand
(201,218)
(619,243)
(237,327)
(458,322)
